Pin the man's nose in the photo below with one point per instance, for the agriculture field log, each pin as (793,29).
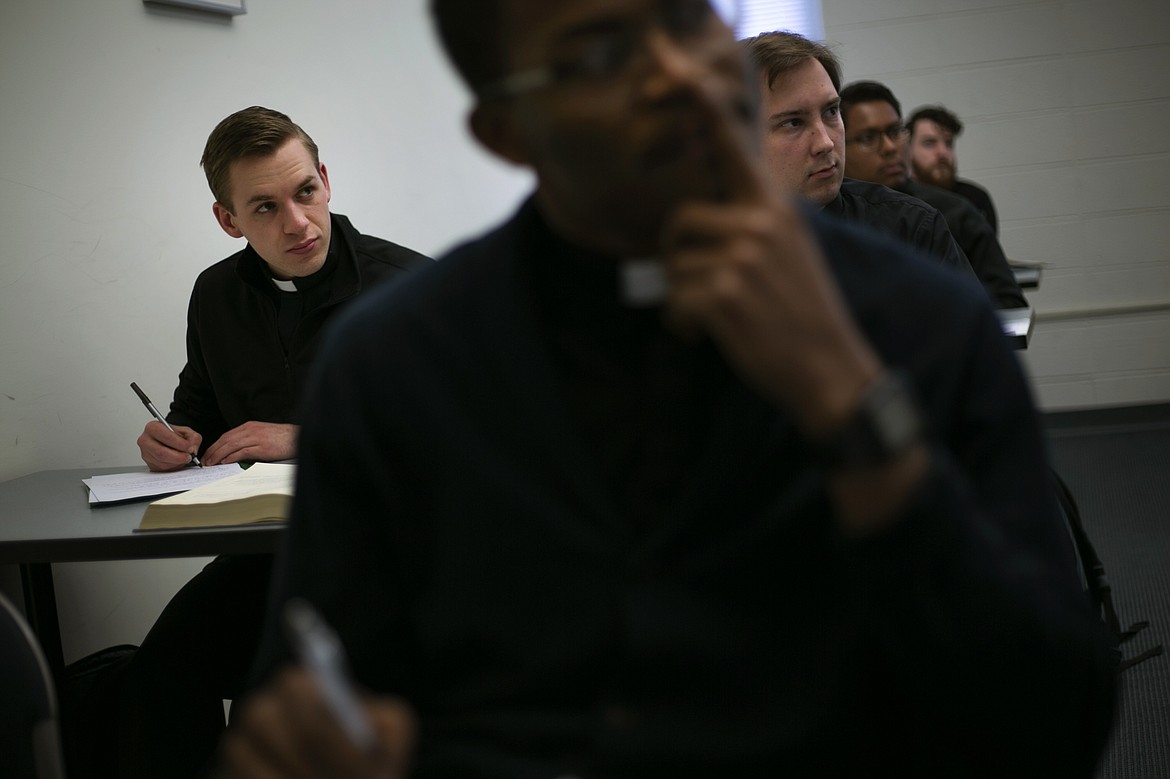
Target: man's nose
(887,144)
(822,138)
(295,219)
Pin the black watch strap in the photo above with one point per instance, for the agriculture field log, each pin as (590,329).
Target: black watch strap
(885,425)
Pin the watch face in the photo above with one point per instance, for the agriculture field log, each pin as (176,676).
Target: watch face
(885,425)
(895,416)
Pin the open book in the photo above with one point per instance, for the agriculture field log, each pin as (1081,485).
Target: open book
(263,493)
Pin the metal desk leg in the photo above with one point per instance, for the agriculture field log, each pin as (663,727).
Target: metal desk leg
(40,607)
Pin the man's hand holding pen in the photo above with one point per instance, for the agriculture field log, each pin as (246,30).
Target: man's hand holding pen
(168,449)
(162,445)
(287,730)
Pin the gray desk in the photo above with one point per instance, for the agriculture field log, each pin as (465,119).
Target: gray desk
(1017,325)
(1027,276)
(45,518)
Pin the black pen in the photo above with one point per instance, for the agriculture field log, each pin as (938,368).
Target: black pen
(154,413)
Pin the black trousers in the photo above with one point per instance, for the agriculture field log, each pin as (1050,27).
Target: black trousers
(198,653)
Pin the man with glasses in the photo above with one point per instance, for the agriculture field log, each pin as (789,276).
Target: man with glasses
(671,479)
(877,151)
(803,146)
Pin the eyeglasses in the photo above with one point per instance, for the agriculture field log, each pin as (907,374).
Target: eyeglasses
(872,139)
(607,55)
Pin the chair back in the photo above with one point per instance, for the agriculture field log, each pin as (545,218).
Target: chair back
(30,738)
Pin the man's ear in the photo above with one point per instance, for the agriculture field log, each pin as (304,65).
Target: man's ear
(324,180)
(226,220)
(494,125)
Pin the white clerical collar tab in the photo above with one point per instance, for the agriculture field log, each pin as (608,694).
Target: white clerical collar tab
(643,282)
(285,285)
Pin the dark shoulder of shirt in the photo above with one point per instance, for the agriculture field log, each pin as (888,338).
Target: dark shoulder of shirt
(865,201)
(373,258)
(900,215)
(880,273)
(957,210)
(378,251)
(977,240)
(980,198)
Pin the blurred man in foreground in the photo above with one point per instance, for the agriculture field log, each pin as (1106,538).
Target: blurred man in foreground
(933,130)
(678,486)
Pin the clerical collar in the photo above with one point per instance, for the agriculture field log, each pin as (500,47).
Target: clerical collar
(631,283)
(642,282)
(284,285)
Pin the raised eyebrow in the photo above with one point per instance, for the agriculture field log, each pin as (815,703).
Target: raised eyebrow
(780,116)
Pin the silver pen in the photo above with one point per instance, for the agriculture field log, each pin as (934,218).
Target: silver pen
(154,413)
(318,648)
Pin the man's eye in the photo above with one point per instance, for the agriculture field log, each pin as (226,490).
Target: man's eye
(602,58)
(263,208)
(308,191)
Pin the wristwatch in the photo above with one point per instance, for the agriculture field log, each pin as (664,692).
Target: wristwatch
(885,425)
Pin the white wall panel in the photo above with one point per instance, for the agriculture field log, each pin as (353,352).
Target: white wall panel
(1091,25)
(1127,183)
(1030,193)
(1121,239)
(862,12)
(1056,241)
(1123,130)
(1121,76)
(1021,138)
(989,89)
(1001,33)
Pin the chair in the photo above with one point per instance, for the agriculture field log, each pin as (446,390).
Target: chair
(30,740)
(1094,581)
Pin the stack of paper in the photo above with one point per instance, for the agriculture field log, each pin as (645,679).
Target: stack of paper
(117,487)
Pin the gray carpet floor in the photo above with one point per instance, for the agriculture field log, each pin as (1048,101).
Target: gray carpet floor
(1117,466)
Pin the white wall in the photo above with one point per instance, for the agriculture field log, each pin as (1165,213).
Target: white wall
(105,216)
(1067,106)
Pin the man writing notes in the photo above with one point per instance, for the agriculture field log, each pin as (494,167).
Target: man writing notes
(254,327)
(256,318)
(779,508)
